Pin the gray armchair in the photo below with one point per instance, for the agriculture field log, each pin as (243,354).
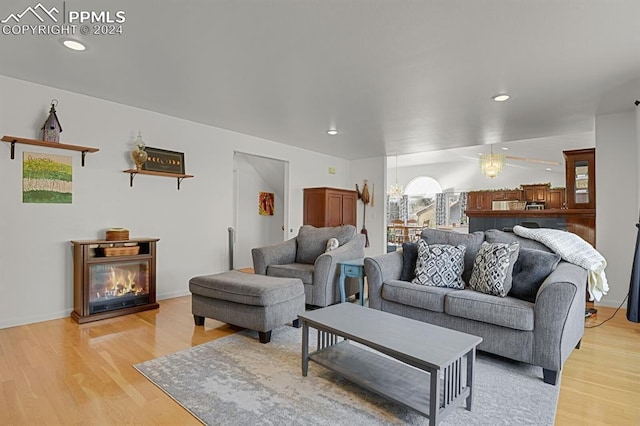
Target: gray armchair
(304,257)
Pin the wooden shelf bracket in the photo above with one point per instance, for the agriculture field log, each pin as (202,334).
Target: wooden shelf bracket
(131,176)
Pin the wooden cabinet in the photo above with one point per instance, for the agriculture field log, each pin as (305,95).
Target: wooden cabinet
(479,200)
(483,200)
(498,196)
(112,278)
(581,190)
(535,193)
(581,178)
(329,207)
(514,195)
(556,198)
(507,195)
(585,227)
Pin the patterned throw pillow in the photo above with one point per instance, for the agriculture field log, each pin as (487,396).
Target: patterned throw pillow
(493,268)
(440,265)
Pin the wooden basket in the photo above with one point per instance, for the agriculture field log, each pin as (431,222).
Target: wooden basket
(117,234)
(517,205)
(121,251)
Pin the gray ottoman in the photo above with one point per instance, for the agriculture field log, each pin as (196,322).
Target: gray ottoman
(256,302)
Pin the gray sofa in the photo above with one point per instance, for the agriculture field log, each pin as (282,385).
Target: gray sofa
(304,257)
(541,333)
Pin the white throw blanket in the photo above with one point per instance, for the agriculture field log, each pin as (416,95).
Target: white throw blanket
(574,250)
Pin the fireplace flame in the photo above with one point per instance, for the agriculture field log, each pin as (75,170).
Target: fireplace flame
(121,283)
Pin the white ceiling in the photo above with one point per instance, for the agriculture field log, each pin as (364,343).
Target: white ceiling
(395,77)
(537,153)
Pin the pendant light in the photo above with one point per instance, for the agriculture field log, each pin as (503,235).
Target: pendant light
(396,191)
(491,164)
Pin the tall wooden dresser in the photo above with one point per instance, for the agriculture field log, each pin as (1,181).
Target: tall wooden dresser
(329,207)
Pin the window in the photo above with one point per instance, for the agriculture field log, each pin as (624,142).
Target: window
(418,202)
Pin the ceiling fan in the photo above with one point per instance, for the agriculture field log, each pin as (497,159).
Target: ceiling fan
(492,164)
(532,160)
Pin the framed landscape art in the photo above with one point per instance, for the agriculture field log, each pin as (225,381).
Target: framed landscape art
(46,178)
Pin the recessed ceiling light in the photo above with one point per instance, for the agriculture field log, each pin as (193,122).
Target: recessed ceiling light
(504,148)
(332,132)
(74,45)
(548,169)
(501,98)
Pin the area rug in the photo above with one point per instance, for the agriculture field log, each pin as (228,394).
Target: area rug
(238,381)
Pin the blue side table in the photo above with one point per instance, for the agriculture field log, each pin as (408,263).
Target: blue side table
(352,269)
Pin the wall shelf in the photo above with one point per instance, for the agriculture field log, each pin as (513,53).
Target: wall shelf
(14,140)
(134,172)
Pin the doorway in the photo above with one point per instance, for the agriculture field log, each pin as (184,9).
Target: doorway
(259,217)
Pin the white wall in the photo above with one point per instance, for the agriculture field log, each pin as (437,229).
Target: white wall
(36,279)
(638,152)
(253,230)
(372,169)
(617,199)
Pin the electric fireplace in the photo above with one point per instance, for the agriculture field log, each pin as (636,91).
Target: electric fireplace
(113,278)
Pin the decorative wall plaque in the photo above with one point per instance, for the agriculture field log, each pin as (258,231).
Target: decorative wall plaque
(161,160)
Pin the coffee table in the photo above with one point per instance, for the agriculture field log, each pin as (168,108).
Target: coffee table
(426,368)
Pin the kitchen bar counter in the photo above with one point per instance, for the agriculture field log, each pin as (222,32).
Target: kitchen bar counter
(579,221)
(531,213)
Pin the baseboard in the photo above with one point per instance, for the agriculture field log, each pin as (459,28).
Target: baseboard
(172,294)
(610,303)
(32,319)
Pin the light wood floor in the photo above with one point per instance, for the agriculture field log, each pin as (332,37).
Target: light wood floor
(61,373)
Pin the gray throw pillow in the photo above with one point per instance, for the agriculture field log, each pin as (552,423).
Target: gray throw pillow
(471,241)
(409,258)
(439,265)
(493,268)
(312,242)
(497,236)
(530,271)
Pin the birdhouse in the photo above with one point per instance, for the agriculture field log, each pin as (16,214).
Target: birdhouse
(51,128)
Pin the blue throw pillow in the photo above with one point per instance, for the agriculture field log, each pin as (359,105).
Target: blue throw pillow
(409,258)
(531,269)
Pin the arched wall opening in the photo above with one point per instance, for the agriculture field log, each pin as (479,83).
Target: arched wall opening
(418,203)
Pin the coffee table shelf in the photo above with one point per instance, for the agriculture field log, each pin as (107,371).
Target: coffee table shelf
(384,376)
